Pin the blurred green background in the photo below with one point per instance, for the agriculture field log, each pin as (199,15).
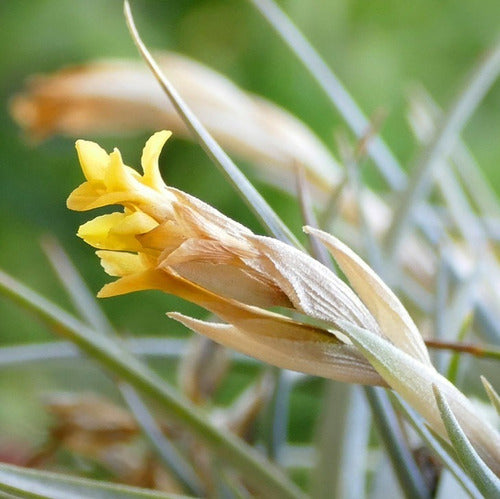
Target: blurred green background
(377,48)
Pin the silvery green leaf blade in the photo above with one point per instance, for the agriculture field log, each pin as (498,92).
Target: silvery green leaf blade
(30,483)
(483,477)
(472,93)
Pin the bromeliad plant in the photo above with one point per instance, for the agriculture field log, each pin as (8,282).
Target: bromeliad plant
(277,303)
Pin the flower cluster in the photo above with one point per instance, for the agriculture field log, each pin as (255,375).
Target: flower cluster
(168,240)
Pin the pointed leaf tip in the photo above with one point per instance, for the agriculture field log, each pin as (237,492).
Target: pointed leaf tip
(492,394)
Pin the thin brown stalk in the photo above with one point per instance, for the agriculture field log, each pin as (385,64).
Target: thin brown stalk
(486,351)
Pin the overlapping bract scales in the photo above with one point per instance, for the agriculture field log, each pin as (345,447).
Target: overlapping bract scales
(168,240)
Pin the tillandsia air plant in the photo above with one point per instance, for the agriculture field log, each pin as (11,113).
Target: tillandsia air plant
(303,314)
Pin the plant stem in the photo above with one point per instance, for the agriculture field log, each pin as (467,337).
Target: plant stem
(262,474)
(487,352)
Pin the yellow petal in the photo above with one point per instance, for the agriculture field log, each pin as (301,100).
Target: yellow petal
(120,263)
(125,198)
(83,197)
(118,176)
(137,222)
(149,160)
(89,196)
(93,159)
(294,348)
(98,233)
(139,281)
(393,319)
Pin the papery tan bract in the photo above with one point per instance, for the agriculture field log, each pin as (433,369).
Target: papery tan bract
(389,312)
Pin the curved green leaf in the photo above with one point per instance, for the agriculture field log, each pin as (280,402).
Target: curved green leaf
(486,481)
(257,204)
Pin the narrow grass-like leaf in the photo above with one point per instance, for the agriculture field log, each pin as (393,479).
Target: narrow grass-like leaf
(483,477)
(419,426)
(492,394)
(355,446)
(277,414)
(155,347)
(332,87)
(454,196)
(318,251)
(330,433)
(460,209)
(473,179)
(352,165)
(263,475)
(441,295)
(332,206)
(473,91)
(265,214)
(30,483)
(81,296)
(475,183)
(409,476)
